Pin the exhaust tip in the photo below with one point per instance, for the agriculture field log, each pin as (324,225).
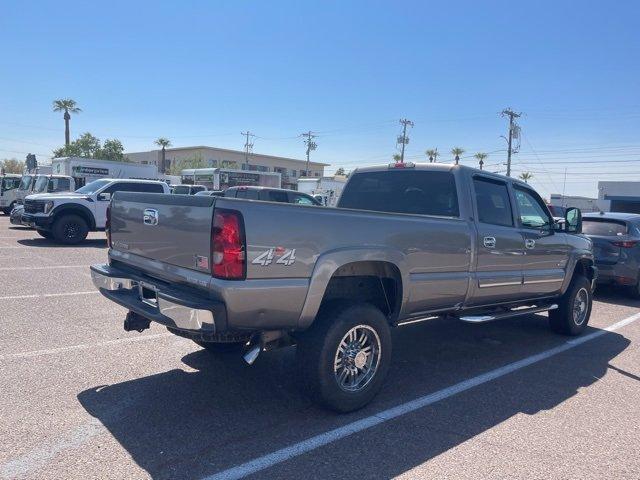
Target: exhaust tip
(252,354)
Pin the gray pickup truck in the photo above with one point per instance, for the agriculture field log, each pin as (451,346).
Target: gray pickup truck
(406,243)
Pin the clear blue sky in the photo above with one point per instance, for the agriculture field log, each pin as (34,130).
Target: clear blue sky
(201,72)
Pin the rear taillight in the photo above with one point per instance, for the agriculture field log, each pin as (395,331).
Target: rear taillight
(107,226)
(227,245)
(625,244)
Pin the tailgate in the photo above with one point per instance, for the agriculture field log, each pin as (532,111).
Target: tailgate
(174,229)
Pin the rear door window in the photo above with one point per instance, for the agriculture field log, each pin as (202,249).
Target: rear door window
(410,191)
(605,228)
(277,196)
(492,199)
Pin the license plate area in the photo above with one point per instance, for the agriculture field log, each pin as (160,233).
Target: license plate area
(148,295)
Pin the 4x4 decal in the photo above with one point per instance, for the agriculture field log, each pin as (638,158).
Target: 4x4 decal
(284,257)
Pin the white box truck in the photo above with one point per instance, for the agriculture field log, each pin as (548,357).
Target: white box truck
(86,170)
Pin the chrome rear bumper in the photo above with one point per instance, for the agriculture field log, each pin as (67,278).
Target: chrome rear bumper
(176,307)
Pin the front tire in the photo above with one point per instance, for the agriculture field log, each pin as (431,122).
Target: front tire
(344,357)
(70,229)
(7,210)
(574,308)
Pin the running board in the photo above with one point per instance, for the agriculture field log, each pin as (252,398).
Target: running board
(509,314)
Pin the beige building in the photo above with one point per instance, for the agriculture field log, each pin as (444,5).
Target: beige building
(204,157)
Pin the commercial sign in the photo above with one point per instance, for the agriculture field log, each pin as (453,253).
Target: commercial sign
(234,179)
(80,170)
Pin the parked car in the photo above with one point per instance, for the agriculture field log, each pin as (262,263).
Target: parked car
(211,193)
(68,217)
(406,243)
(268,194)
(616,246)
(557,211)
(187,189)
(16,215)
(9,184)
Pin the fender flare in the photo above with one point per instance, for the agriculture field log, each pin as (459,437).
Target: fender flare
(328,263)
(74,208)
(577,256)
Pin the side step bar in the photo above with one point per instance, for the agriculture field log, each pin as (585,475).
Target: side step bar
(508,314)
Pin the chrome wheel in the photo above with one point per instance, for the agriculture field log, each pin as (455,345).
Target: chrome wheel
(357,358)
(580,306)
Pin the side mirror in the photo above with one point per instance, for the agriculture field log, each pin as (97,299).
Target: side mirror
(573,220)
(104,197)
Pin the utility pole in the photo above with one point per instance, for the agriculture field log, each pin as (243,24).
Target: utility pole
(248,146)
(311,145)
(403,139)
(514,130)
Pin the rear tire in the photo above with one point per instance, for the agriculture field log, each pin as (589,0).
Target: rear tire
(344,357)
(45,234)
(70,229)
(574,308)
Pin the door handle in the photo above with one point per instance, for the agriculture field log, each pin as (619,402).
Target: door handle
(530,243)
(489,242)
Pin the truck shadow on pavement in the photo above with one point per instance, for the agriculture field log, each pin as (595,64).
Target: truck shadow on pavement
(616,296)
(220,413)
(43,242)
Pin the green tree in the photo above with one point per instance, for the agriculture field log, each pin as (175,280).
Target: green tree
(340,171)
(397,157)
(456,152)
(11,165)
(432,154)
(68,106)
(112,149)
(164,143)
(526,176)
(88,146)
(481,156)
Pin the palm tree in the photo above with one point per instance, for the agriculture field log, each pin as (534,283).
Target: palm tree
(397,158)
(456,152)
(164,143)
(69,106)
(481,157)
(432,154)
(526,176)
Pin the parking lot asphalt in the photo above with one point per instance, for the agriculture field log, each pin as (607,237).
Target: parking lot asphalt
(81,398)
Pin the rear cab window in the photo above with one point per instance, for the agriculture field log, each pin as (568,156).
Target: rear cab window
(493,202)
(418,192)
(604,228)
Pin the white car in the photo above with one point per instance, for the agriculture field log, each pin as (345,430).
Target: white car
(68,217)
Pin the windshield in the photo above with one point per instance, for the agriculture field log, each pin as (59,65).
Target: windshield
(41,184)
(25,183)
(605,228)
(92,187)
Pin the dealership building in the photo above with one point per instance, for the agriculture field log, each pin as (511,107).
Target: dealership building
(619,196)
(290,169)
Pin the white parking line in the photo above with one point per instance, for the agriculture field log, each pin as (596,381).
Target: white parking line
(48,267)
(82,346)
(297,449)
(47,295)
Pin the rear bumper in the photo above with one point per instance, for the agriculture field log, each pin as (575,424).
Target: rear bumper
(617,274)
(178,307)
(36,221)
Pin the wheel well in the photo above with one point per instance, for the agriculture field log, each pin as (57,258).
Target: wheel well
(378,283)
(85,214)
(584,267)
